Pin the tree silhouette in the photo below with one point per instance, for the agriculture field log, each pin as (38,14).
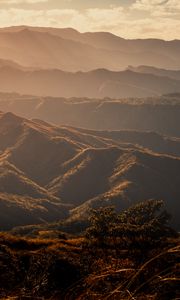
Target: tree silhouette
(141,226)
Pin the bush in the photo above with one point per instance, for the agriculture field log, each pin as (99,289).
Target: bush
(143,225)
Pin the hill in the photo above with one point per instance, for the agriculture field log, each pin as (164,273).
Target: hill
(116,176)
(174,74)
(86,169)
(158,114)
(70,50)
(99,83)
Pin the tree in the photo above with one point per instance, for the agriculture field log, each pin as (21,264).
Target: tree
(101,222)
(141,226)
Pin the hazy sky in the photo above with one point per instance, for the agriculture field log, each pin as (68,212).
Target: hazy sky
(127,18)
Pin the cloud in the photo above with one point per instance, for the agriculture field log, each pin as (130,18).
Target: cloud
(22,1)
(162,22)
(98,18)
(90,19)
(158,7)
(148,4)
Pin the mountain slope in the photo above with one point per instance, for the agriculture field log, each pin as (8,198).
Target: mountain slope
(70,50)
(174,74)
(159,114)
(44,50)
(16,210)
(35,143)
(99,83)
(47,171)
(135,176)
(15,182)
(119,177)
(148,140)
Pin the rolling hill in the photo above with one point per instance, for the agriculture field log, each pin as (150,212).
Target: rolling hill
(174,74)
(70,50)
(66,63)
(89,158)
(159,114)
(120,178)
(49,172)
(98,83)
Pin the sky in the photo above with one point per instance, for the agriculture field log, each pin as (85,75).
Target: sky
(126,18)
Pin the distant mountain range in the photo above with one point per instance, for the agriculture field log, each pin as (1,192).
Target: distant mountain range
(126,93)
(66,63)
(50,172)
(158,114)
(70,50)
(99,83)
(174,74)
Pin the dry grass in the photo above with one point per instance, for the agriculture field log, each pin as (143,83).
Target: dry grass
(152,280)
(67,269)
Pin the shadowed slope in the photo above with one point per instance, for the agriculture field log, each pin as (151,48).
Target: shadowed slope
(83,168)
(33,144)
(135,176)
(85,176)
(16,182)
(16,210)
(150,140)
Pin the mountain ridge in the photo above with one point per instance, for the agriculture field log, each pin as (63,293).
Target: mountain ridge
(99,83)
(85,169)
(86,50)
(158,114)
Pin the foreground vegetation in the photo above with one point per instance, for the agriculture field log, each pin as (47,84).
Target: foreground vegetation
(133,255)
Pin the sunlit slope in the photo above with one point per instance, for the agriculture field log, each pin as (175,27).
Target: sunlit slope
(159,114)
(61,170)
(115,176)
(71,50)
(16,210)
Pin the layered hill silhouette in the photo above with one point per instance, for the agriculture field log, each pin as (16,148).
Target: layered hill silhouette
(66,63)
(174,74)
(70,50)
(11,64)
(119,178)
(99,83)
(50,172)
(159,114)
(89,127)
